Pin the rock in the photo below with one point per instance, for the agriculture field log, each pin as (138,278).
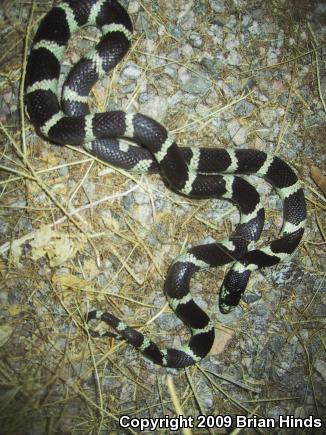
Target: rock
(197,85)
(244,108)
(217,5)
(131,71)
(238,133)
(196,40)
(320,366)
(133,7)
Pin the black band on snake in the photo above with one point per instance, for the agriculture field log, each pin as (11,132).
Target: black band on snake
(196,172)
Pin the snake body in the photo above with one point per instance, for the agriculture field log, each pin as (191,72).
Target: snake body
(195,172)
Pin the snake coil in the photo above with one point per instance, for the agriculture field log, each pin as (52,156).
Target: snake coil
(195,172)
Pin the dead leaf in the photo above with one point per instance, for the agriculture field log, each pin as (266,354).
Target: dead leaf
(222,337)
(318,178)
(58,246)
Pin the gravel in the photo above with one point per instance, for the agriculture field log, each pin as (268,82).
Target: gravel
(191,59)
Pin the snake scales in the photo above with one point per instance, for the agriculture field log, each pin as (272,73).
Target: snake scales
(195,172)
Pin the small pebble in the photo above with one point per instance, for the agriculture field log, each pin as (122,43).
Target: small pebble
(217,5)
(131,71)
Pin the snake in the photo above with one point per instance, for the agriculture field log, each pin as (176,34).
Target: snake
(198,172)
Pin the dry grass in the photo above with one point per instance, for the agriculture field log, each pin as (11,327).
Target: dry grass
(68,247)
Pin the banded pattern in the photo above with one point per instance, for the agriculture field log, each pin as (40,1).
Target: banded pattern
(201,173)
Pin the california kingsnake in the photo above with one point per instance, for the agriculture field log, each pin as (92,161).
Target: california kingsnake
(190,171)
